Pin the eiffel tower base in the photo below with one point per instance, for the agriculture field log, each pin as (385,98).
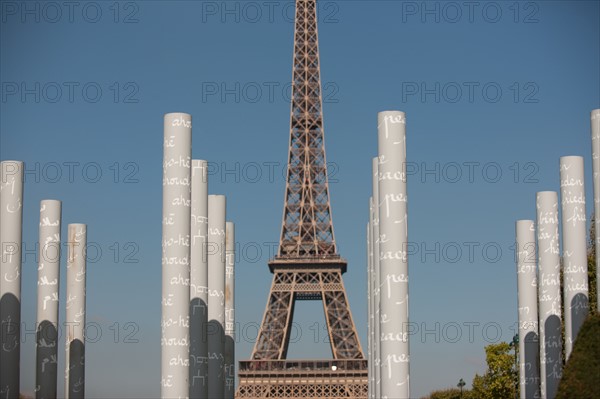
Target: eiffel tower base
(334,379)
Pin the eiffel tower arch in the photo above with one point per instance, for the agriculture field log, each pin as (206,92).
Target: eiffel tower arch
(307,265)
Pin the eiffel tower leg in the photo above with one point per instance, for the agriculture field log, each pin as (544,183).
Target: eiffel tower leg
(342,333)
(272,340)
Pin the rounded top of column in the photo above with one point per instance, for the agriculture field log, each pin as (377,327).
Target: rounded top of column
(571,158)
(524,222)
(546,193)
(178,119)
(595,113)
(173,115)
(51,202)
(77,225)
(216,200)
(525,225)
(9,161)
(229,229)
(392,116)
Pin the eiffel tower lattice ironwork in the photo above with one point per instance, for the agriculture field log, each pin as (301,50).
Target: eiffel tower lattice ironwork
(307,266)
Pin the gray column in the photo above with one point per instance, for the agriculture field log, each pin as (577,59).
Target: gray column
(11,225)
(376,281)
(575,284)
(216,296)
(230,311)
(595,121)
(199,282)
(176,255)
(47,299)
(393,260)
(529,376)
(75,311)
(549,293)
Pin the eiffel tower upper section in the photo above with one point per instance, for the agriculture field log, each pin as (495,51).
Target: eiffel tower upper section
(307,229)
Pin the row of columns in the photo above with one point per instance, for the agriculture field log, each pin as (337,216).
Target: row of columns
(539,274)
(49,256)
(388,263)
(198,259)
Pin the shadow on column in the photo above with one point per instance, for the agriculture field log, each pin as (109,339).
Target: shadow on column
(532,365)
(216,360)
(46,360)
(198,349)
(553,352)
(579,312)
(76,369)
(10,316)
(229,371)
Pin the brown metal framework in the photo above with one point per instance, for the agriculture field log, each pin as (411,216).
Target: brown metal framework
(307,265)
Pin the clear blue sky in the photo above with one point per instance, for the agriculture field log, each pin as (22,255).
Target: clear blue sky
(533,68)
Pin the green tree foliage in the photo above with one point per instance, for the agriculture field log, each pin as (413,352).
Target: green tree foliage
(451,393)
(581,376)
(593,295)
(498,382)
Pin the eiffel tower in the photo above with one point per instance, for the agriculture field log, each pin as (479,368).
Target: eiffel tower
(307,266)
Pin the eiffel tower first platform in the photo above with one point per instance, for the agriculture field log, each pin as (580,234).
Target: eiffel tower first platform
(307,266)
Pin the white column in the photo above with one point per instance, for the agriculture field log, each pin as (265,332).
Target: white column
(216,295)
(230,311)
(11,227)
(199,282)
(575,284)
(75,311)
(595,121)
(549,293)
(47,298)
(528,315)
(376,281)
(393,260)
(176,255)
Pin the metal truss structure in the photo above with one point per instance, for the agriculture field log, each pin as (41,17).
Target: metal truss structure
(307,266)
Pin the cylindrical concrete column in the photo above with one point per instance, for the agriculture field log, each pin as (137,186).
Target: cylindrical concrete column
(229,367)
(575,284)
(11,226)
(529,375)
(376,281)
(47,299)
(216,295)
(595,121)
(199,282)
(549,293)
(176,255)
(75,311)
(393,260)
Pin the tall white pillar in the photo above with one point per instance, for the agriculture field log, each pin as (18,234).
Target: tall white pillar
(529,375)
(75,311)
(11,227)
(376,281)
(229,311)
(216,295)
(595,121)
(176,255)
(575,284)
(549,293)
(199,282)
(393,260)
(47,299)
